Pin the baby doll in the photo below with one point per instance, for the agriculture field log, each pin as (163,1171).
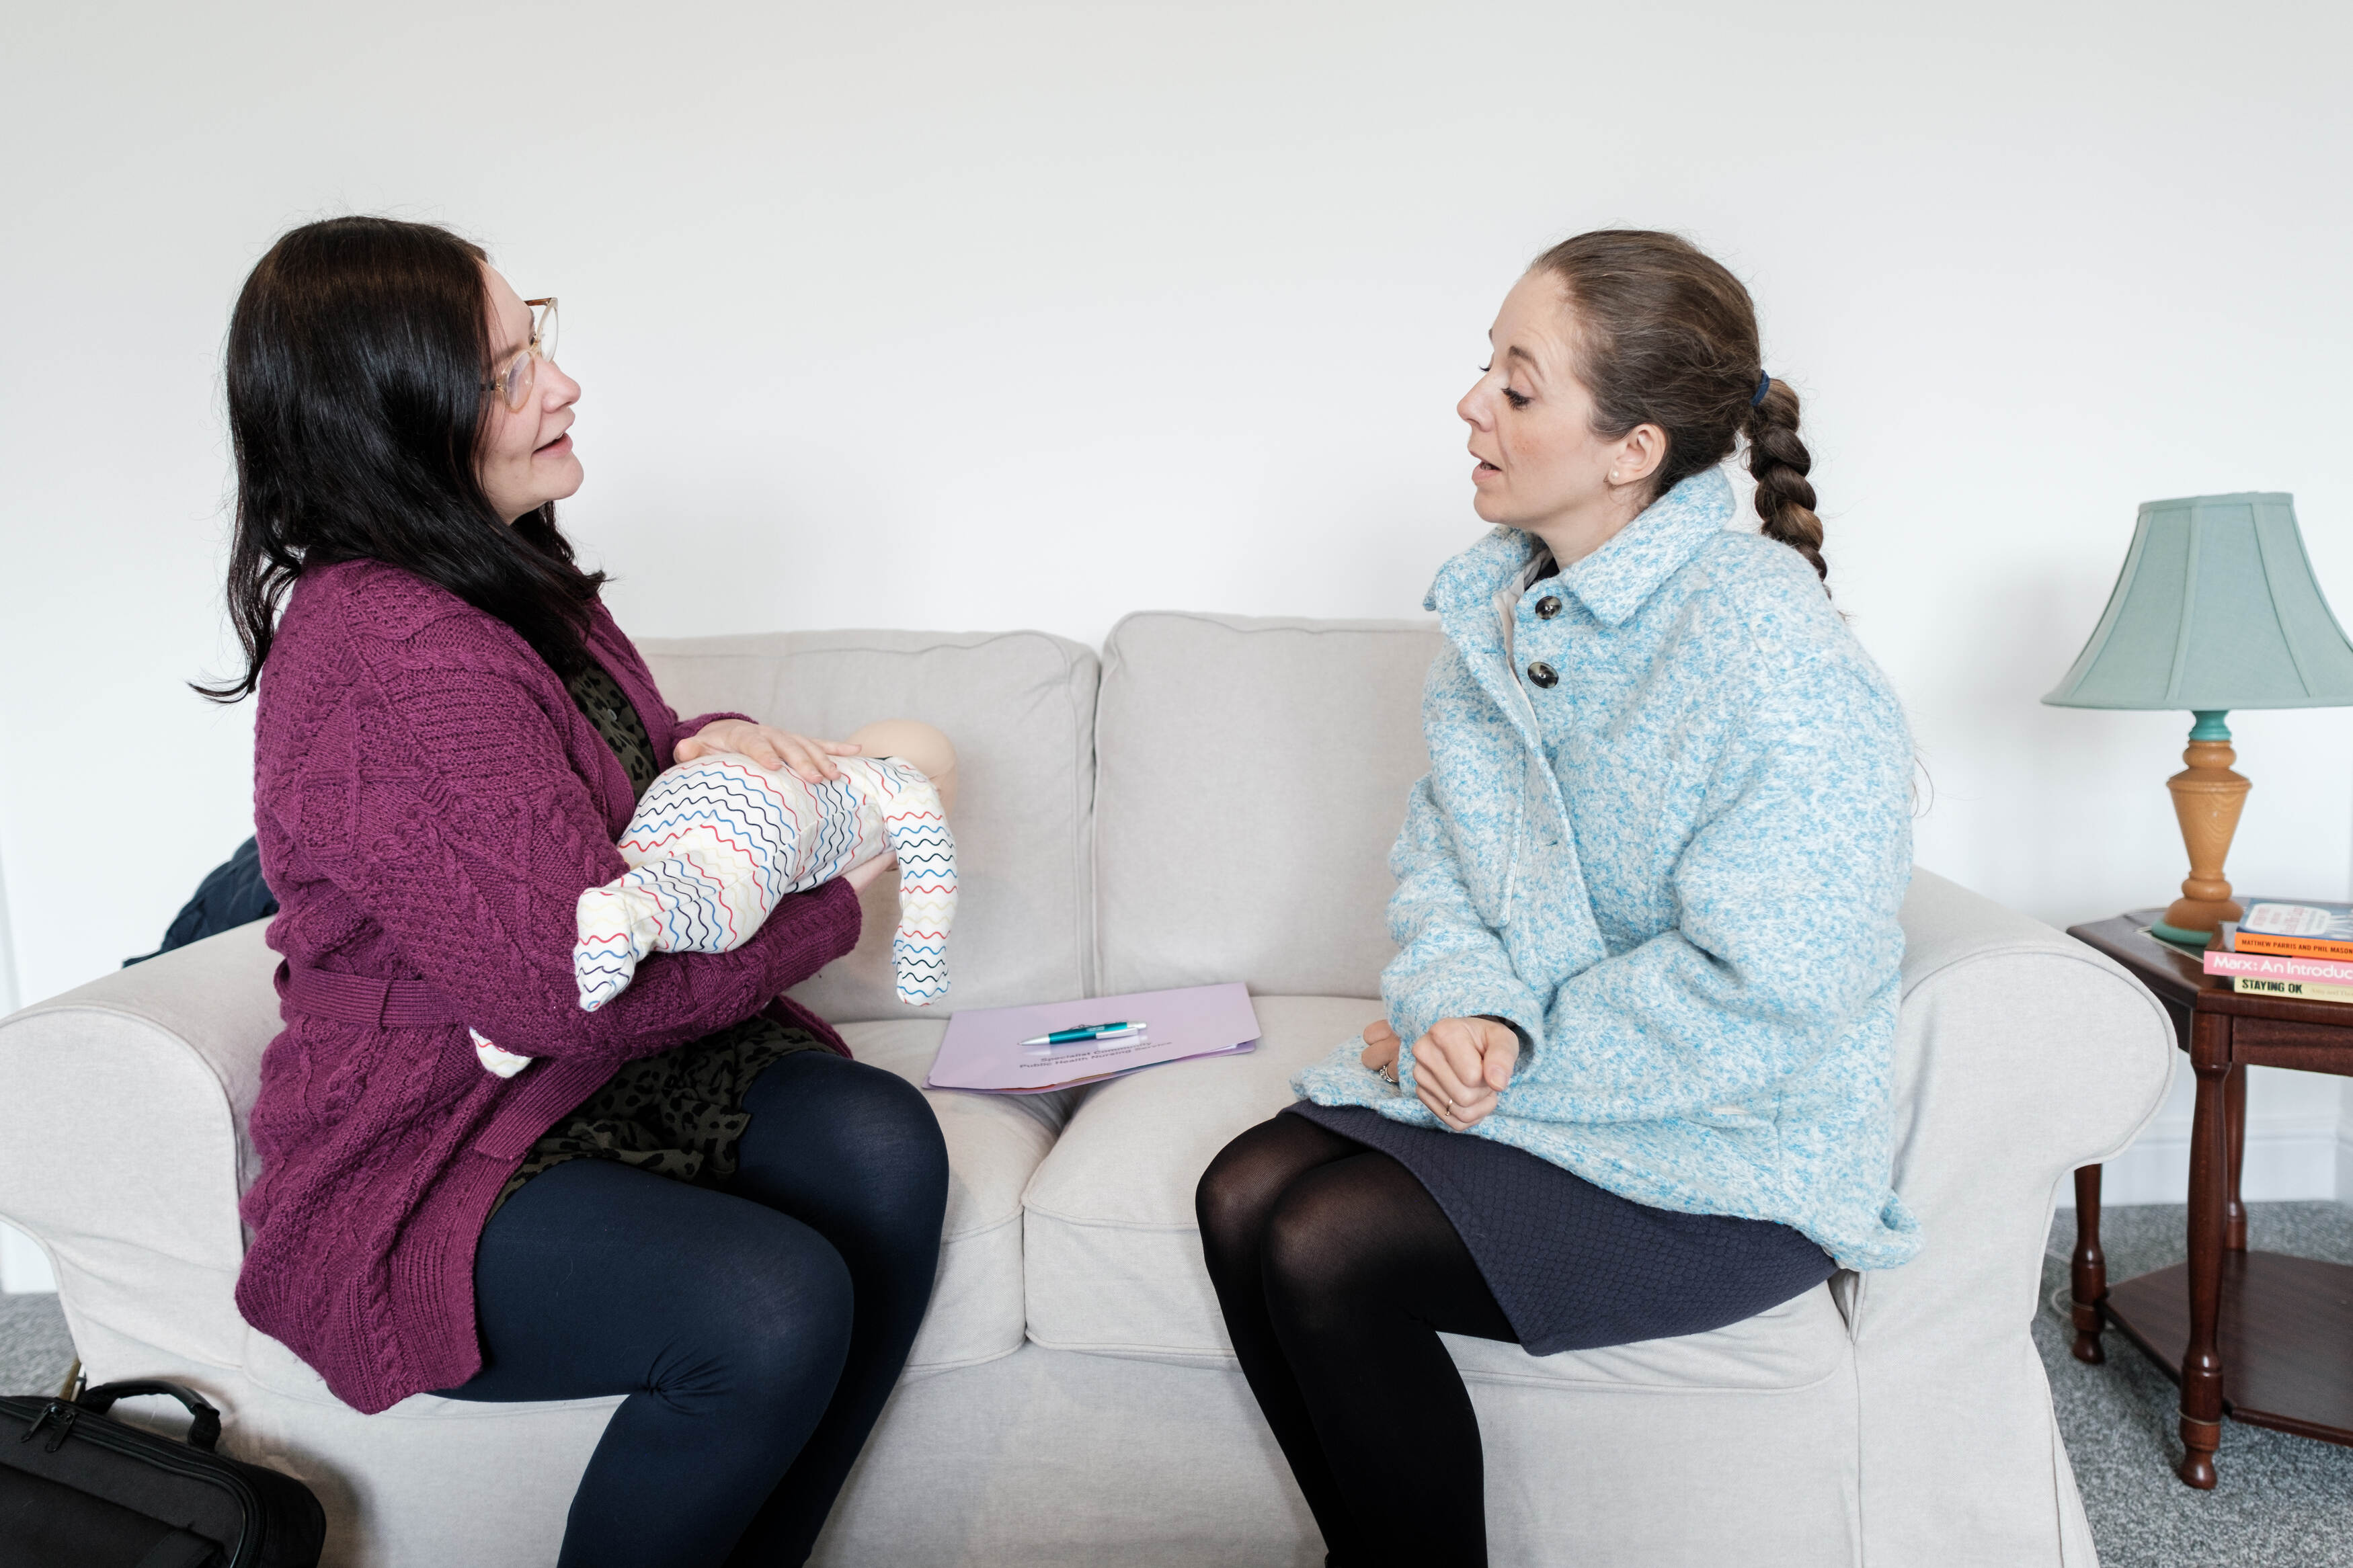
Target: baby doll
(717,842)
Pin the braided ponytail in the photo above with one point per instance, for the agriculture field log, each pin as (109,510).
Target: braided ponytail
(1780,462)
(1666,336)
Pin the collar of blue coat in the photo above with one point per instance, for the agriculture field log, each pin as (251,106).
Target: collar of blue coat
(1612,581)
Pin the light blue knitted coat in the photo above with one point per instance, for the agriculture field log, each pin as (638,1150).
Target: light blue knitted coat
(1677,870)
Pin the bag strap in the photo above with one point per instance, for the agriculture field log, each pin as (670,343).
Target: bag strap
(202,1433)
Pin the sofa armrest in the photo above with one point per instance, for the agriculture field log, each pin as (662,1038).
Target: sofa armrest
(126,1150)
(2021,1054)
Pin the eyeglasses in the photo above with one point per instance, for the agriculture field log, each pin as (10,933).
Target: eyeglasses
(513,383)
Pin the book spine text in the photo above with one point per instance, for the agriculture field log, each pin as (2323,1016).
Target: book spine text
(2304,990)
(2294,946)
(2266,967)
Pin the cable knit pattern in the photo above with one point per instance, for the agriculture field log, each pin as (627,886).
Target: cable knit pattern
(1675,868)
(430,802)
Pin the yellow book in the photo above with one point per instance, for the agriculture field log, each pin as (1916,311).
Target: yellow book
(2304,990)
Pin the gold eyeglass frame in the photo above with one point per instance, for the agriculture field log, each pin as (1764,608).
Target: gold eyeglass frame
(541,347)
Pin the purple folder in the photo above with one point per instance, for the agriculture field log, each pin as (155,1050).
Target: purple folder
(983,1047)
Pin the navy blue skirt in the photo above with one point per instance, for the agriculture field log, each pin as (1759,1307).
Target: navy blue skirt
(1574,1266)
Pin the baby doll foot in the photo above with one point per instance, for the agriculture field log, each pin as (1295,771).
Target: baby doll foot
(915,742)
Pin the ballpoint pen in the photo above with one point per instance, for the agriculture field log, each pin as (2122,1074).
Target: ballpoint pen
(1089,1032)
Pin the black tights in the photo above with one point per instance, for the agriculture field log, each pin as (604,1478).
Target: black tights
(756,1331)
(1336,1270)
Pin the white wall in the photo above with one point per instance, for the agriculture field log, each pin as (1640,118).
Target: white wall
(996,315)
(7,950)
(24,1266)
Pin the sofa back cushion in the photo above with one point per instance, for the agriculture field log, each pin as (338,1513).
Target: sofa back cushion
(1020,708)
(1251,776)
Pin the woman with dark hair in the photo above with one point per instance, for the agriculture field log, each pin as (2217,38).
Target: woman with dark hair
(1646,911)
(691,1197)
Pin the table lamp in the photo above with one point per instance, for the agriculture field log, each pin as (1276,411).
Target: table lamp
(2215,610)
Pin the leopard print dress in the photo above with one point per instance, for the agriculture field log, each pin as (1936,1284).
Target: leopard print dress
(679,1113)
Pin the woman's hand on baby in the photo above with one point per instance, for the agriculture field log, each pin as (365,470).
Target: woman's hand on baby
(810,761)
(1381,1049)
(1460,1064)
(861,877)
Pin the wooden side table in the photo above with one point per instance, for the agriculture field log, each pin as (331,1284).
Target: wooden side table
(2283,1326)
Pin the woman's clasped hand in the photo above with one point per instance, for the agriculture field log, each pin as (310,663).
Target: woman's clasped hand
(1457,1068)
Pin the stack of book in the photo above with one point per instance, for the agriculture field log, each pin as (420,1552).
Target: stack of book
(2282,948)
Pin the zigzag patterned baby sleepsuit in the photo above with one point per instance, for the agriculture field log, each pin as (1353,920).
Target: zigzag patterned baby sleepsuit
(718,841)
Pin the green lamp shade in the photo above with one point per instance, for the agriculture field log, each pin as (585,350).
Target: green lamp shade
(2215,610)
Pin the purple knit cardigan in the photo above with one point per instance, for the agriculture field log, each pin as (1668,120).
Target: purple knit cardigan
(431,802)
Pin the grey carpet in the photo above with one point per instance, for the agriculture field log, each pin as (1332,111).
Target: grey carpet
(35,1349)
(2283,1501)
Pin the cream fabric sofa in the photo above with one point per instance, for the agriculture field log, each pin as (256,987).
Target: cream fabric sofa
(1212,800)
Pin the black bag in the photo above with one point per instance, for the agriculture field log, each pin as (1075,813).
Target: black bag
(231,894)
(80,1490)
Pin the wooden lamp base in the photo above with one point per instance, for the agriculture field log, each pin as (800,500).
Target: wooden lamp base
(2206,799)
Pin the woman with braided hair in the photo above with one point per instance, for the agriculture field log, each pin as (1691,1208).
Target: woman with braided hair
(1632,1078)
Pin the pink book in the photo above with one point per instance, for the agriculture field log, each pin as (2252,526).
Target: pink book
(2272,966)
(984,1047)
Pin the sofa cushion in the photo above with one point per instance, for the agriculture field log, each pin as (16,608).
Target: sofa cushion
(1020,708)
(993,1142)
(1250,777)
(1113,1257)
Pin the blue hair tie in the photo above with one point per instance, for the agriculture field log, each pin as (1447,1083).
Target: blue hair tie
(1764,386)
